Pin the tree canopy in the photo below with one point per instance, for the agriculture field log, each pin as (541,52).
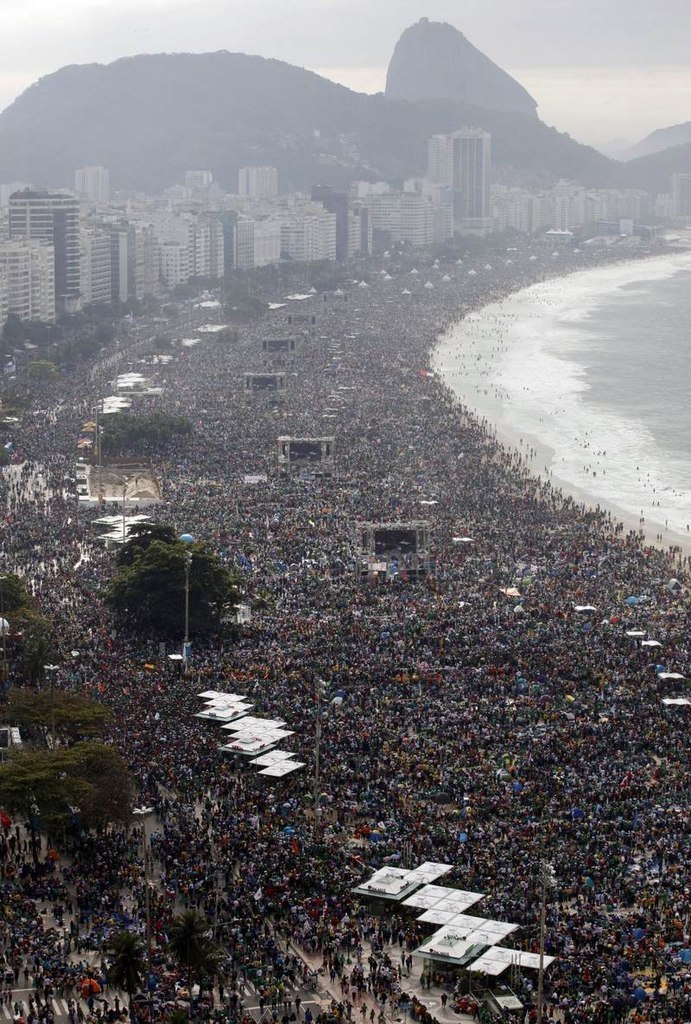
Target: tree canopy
(75,717)
(149,591)
(30,642)
(193,947)
(141,536)
(128,966)
(87,779)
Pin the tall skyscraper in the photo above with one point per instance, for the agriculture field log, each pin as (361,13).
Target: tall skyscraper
(463,161)
(258,182)
(440,159)
(472,155)
(337,203)
(92,183)
(52,218)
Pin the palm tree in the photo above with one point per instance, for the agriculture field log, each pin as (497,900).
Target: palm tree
(129,963)
(190,944)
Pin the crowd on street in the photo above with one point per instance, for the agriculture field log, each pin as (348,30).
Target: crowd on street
(491,713)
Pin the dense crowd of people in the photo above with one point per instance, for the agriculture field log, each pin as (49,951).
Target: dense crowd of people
(469,714)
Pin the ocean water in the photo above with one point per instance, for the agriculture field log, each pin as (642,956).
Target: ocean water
(594,370)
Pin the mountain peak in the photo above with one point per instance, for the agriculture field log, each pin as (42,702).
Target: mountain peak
(434,61)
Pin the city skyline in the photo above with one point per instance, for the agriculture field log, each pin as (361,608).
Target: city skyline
(567,54)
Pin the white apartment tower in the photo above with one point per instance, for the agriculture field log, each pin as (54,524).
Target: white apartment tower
(30,279)
(680,191)
(258,182)
(93,184)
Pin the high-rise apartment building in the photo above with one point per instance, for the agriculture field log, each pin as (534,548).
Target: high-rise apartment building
(4,297)
(29,276)
(462,160)
(680,191)
(52,218)
(472,154)
(258,182)
(337,203)
(440,159)
(257,242)
(197,180)
(96,277)
(93,183)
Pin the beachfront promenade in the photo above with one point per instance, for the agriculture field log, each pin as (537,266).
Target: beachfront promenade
(493,714)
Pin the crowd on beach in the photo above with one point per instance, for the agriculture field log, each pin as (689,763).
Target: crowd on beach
(491,713)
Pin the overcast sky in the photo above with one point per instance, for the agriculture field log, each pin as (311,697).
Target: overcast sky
(599,69)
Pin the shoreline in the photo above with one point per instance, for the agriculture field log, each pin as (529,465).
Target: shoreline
(537,454)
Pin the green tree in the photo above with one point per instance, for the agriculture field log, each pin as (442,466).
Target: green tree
(35,640)
(75,717)
(192,946)
(42,370)
(13,592)
(141,536)
(48,783)
(150,592)
(128,966)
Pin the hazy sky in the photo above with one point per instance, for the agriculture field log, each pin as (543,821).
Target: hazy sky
(599,69)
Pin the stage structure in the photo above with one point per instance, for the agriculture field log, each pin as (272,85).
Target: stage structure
(393,549)
(302,319)
(270,385)
(306,457)
(279,346)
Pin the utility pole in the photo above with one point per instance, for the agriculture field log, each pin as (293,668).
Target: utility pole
(143,813)
(50,671)
(317,752)
(4,672)
(547,879)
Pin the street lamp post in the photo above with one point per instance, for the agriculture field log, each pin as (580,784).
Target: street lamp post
(4,625)
(50,671)
(187,538)
(143,813)
(547,880)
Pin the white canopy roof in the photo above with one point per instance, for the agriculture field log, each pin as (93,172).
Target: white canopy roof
(679,701)
(444,899)
(257,724)
(496,959)
(274,757)
(277,771)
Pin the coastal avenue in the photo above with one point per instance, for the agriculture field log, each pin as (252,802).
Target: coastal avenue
(501,712)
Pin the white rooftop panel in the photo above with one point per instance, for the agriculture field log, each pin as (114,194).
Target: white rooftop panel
(446,944)
(274,757)
(217,715)
(490,931)
(429,871)
(679,701)
(284,768)
(428,896)
(496,959)
(388,881)
(252,722)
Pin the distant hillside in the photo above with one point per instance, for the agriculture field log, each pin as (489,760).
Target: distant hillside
(663,138)
(151,118)
(434,61)
(653,172)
